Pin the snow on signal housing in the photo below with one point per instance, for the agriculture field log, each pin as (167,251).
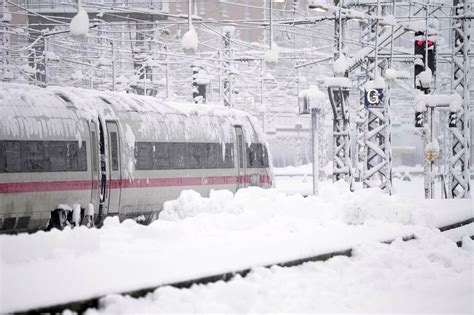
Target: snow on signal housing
(120,154)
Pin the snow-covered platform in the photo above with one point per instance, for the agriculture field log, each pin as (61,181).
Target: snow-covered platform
(197,237)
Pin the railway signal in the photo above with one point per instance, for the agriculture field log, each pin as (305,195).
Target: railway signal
(453,119)
(419,117)
(422,43)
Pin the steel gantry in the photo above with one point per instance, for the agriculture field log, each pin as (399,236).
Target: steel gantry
(458,175)
(367,36)
(338,91)
(373,124)
(339,98)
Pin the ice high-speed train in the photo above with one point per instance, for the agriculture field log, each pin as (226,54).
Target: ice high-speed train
(115,154)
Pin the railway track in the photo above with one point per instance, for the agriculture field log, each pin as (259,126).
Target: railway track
(82,305)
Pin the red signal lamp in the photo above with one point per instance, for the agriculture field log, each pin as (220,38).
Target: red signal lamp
(419,42)
(430,42)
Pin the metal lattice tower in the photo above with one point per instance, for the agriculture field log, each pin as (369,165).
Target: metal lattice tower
(360,112)
(227,82)
(342,169)
(339,98)
(458,179)
(377,171)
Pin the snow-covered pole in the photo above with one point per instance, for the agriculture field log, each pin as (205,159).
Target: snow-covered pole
(377,41)
(45,59)
(460,136)
(167,70)
(6,17)
(314,147)
(190,12)
(227,84)
(298,82)
(262,68)
(113,64)
(271,22)
(391,37)
(426,37)
(339,38)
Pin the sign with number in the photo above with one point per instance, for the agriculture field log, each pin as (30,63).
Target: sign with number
(374,98)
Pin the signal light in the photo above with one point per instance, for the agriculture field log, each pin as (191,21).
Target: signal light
(419,117)
(420,53)
(452,119)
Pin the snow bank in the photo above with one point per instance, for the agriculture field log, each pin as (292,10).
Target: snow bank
(336,203)
(198,236)
(429,275)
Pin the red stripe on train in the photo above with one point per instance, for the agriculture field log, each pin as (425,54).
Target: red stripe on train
(25,187)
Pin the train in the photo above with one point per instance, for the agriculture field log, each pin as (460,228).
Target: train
(71,156)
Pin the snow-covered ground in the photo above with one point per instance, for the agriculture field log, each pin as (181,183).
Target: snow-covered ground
(198,236)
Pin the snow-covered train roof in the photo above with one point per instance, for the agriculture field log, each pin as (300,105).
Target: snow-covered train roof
(32,111)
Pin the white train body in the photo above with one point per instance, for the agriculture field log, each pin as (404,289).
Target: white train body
(123,154)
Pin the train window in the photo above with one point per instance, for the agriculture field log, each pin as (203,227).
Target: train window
(229,156)
(10,157)
(265,157)
(114,150)
(196,155)
(42,156)
(2,158)
(214,155)
(177,152)
(34,157)
(94,151)
(57,156)
(241,156)
(162,156)
(144,155)
(257,156)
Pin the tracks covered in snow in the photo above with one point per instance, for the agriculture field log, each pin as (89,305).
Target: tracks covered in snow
(203,240)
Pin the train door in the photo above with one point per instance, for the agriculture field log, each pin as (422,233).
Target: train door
(114,167)
(95,172)
(241,158)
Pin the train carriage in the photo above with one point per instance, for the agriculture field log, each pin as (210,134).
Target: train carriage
(116,153)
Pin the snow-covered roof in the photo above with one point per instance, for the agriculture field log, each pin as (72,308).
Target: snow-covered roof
(64,112)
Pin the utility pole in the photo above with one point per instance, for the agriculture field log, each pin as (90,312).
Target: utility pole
(315,111)
(459,161)
(270,4)
(113,64)
(377,171)
(5,42)
(167,71)
(228,91)
(339,97)
(429,176)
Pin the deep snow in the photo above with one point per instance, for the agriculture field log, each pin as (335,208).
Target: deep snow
(199,236)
